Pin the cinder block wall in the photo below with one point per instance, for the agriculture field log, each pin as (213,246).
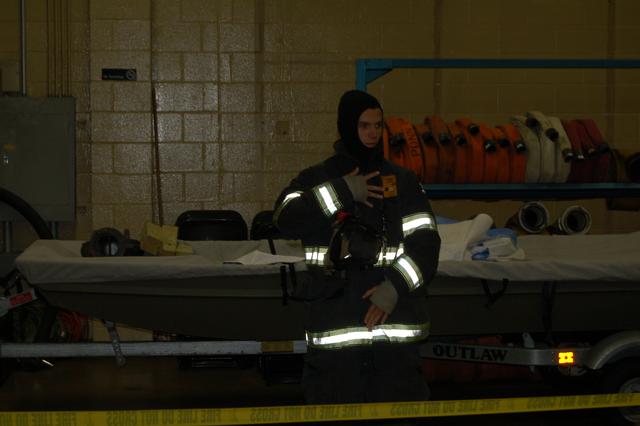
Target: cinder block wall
(246,90)
(9,43)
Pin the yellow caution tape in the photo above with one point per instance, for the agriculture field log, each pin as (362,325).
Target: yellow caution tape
(316,413)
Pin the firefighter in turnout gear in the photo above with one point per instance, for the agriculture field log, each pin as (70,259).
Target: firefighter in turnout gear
(371,246)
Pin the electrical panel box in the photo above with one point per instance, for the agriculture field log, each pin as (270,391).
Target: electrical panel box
(9,77)
(37,155)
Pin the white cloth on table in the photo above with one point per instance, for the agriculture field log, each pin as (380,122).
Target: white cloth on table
(462,240)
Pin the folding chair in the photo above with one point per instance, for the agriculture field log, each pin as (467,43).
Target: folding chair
(212,225)
(221,225)
(283,368)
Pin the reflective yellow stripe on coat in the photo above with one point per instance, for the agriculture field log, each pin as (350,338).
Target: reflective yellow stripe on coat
(315,255)
(283,204)
(388,254)
(354,336)
(413,222)
(327,198)
(409,271)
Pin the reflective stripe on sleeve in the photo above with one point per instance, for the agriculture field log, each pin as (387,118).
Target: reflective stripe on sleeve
(287,200)
(353,336)
(417,221)
(327,198)
(409,271)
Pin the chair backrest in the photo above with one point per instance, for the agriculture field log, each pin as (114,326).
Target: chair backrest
(262,227)
(224,225)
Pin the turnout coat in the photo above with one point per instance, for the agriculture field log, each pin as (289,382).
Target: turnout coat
(308,210)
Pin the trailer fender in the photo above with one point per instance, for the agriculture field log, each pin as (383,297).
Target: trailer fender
(612,348)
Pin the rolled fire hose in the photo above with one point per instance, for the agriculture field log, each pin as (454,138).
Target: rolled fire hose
(575,220)
(533,218)
(475,150)
(632,167)
(447,159)
(579,161)
(625,167)
(547,146)
(402,137)
(617,170)
(430,153)
(446,162)
(456,134)
(439,129)
(590,153)
(602,160)
(462,153)
(532,172)
(503,174)
(446,150)
(564,153)
(490,154)
(517,153)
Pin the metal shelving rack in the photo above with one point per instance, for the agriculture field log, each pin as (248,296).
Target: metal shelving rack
(368,70)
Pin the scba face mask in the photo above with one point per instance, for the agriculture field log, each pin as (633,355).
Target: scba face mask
(354,243)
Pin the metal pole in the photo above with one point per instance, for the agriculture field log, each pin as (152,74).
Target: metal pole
(23,50)
(105,349)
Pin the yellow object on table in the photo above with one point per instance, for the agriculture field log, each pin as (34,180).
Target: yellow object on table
(162,240)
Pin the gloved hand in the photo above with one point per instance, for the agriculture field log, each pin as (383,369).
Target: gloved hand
(383,298)
(360,189)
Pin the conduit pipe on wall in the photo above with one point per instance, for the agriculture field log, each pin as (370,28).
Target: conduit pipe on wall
(23,50)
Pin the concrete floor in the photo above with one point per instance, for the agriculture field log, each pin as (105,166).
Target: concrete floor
(159,383)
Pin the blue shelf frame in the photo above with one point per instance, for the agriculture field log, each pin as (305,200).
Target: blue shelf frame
(531,191)
(369,70)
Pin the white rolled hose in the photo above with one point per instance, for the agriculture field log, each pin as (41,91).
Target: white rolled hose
(533,218)
(575,220)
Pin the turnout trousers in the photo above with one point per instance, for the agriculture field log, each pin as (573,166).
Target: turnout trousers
(381,372)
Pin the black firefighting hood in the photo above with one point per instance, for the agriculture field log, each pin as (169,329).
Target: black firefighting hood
(352,104)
